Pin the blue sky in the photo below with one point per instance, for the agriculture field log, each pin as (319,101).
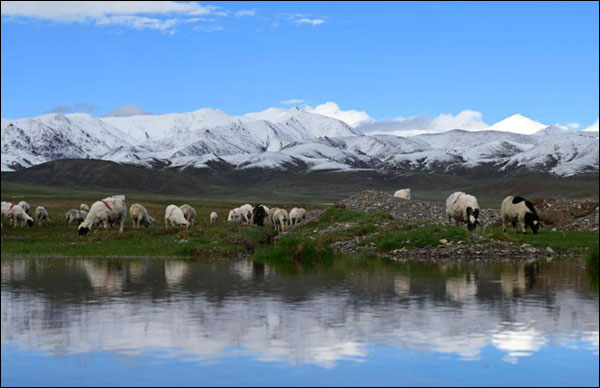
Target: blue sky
(389,60)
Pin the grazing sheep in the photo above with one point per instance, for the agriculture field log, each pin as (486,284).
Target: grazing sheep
(280,219)
(267,213)
(213,217)
(6,206)
(25,206)
(258,215)
(107,211)
(139,216)
(462,207)
(301,214)
(75,215)
(189,213)
(518,209)
(245,212)
(234,216)
(84,207)
(174,217)
(297,215)
(402,194)
(19,217)
(42,215)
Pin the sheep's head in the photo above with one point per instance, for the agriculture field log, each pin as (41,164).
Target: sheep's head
(83,230)
(533,221)
(29,222)
(472,218)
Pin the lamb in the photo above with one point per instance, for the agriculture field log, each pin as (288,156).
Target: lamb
(75,215)
(245,212)
(213,217)
(107,211)
(174,217)
(517,209)
(84,207)
(402,194)
(19,217)
(258,215)
(462,207)
(139,216)
(189,213)
(280,219)
(234,216)
(25,206)
(42,215)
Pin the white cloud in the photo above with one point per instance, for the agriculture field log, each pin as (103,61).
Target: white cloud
(312,22)
(126,111)
(411,126)
(573,125)
(593,127)
(353,118)
(245,12)
(159,15)
(293,101)
(67,108)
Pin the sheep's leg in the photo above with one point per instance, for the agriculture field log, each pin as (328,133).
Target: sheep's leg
(121,226)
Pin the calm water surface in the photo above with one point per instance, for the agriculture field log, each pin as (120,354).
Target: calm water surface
(166,322)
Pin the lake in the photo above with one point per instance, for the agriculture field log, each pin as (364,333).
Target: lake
(189,322)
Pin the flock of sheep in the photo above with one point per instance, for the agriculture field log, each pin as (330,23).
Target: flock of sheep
(112,211)
(460,207)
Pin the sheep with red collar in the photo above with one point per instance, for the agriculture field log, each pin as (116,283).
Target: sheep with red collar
(174,217)
(515,209)
(19,217)
(139,216)
(104,212)
(463,208)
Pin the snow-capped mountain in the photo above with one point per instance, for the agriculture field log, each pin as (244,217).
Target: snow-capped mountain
(292,139)
(517,124)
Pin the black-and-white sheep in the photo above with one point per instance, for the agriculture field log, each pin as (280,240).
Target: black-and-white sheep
(139,216)
(515,209)
(463,208)
(104,212)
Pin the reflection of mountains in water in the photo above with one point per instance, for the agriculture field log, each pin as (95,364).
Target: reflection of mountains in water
(206,309)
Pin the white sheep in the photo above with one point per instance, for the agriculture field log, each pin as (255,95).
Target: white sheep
(462,207)
(19,217)
(189,213)
(267,213)
(42,215)
(174,217)
(84,207)
(75,215)
(246,212)
(402,194)
(25,206)
(139,216)
(279,217)
(234,216)
(518,209)
(213,217)
(6,206)
(104,212)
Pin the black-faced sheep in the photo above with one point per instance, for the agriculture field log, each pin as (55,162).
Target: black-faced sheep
(189,213)
(174,217)
(19,217)
(139,216)
(517,209)
(42,215)
(104,212)
(463,208)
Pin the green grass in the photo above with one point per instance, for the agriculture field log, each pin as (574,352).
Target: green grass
(411,236)
(559,241)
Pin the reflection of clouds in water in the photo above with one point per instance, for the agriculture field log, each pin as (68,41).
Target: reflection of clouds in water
(319,328)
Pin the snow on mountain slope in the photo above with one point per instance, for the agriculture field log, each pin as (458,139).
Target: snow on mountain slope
(517,124)
(593,127)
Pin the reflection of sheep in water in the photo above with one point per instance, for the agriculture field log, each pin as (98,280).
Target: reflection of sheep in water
(517,209)
(42,215)
(140,217)
(464,208)
(189,213)
(174,217)
(104,212)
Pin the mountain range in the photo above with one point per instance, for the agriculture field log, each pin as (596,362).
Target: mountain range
(294,139)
